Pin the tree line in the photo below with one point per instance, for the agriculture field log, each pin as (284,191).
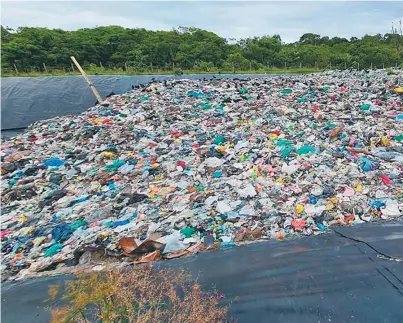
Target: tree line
(192,48)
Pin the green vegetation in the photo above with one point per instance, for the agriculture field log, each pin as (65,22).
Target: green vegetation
(137,295)
(130,71)
(118,50)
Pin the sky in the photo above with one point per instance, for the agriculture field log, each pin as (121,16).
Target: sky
(229,19)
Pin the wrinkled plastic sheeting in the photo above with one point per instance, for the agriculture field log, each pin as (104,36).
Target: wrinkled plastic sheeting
(25,100)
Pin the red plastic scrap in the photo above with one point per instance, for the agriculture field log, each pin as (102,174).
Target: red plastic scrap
(298,224)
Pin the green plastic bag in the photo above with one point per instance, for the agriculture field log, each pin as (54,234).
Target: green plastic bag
(75,225)
(286,151)
(306,149)
(54,249)
(219,140)
(398,137)
(187,232)
(329,126)
(114,166)
(205,106)
(283,142)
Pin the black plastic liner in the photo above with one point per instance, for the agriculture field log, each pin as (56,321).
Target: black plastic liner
(351,275)
(25,100)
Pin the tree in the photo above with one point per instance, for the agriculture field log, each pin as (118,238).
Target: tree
(310,38)
(189,47)
(237,62)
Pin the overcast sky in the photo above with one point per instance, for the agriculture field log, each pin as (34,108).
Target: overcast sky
(227,18)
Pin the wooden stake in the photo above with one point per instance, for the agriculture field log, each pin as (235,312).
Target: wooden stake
(93,88)
(44,66)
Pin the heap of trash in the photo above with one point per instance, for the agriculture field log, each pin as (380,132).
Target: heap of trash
(175,167)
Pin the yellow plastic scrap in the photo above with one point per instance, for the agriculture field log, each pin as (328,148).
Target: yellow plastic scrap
(299,209)
(398,90)
(359,188)
(38,241)
(22,218)
(221,149)
(158,178)
(27,230)
(153,192)
(109,154)
(385,142)
(104,235)
(329,205)
(97,121)
(334,200)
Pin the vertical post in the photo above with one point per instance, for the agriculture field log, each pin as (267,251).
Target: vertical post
(126,66)
(371,66)
(300,65)
(151,66)
(250,66)
(100,64)
(92,87)
(44,66)
(358,66)
(173,65)
(72,67)
(15,67)
(383,65)
(345,65)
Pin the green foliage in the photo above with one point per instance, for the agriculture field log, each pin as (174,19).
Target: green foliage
(139,50)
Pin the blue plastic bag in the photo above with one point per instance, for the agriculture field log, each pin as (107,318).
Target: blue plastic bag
(53,162)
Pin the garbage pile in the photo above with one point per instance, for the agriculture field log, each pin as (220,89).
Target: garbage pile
(174,167)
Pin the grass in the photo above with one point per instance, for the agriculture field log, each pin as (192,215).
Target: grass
(138,295)
(119,71)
